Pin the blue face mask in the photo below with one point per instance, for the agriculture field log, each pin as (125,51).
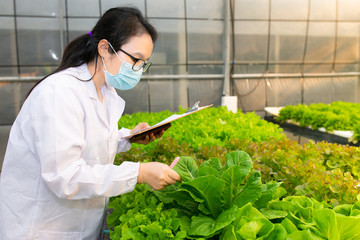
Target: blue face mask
(126,79)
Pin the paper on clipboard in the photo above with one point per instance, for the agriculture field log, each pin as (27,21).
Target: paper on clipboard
(163,125)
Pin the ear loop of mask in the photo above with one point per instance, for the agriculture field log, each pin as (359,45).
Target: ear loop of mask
(115,52)
(102,59)
(116,55)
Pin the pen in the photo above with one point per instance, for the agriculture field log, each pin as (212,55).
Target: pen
(174,162)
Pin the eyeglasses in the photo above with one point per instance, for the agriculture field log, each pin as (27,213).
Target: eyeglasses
(138,63)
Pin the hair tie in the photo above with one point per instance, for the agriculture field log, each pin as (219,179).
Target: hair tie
(90,33)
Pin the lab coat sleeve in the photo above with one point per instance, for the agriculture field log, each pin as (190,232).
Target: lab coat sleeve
(124,145)
(57,120)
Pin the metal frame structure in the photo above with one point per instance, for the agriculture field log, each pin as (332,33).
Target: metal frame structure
(229,76)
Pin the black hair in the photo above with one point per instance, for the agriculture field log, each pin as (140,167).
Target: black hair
(117,26)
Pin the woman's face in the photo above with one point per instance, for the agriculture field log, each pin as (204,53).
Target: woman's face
(139,46)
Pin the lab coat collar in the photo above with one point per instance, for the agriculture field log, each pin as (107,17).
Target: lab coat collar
(83,73)
(114,103)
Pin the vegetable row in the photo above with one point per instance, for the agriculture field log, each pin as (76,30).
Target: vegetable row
(242,179)
(228,201)
(335,116)
(325,171)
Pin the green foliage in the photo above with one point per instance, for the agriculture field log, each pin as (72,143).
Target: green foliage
(199,133)
(248,224)
(304,170)
(356,136)
(210,199)
(223,196)
(227,201)
(212,195)
(140,215)
(325,171)
(310,219)
(335,116)
(210,127)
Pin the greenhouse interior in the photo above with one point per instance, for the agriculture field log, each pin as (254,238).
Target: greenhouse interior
(271,149)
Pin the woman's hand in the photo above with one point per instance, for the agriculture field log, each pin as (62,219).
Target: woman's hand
(148,138)
(157,175)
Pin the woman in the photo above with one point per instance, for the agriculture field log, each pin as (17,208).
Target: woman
(57,173)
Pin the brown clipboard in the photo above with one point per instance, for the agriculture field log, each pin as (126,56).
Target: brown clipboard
(163,125)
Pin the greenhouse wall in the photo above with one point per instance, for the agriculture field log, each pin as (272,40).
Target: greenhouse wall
(281,52)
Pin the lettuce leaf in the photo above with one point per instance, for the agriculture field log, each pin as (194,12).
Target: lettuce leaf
(213,163)
(250,224)
(279,233)
(233,177)
(186,168)
(348,226)
(206,226)
(251,191)
(208,189)
(326,222)
(216,190)
(239,158)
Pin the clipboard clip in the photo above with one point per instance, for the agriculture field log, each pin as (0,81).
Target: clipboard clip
(194,107)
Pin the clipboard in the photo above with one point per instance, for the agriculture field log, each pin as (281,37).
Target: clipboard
(164,124)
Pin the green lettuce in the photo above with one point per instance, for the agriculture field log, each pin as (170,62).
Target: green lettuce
(217,196)
(217,201)
(310,219)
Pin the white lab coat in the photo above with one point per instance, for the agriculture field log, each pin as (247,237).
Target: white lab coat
(58,169)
